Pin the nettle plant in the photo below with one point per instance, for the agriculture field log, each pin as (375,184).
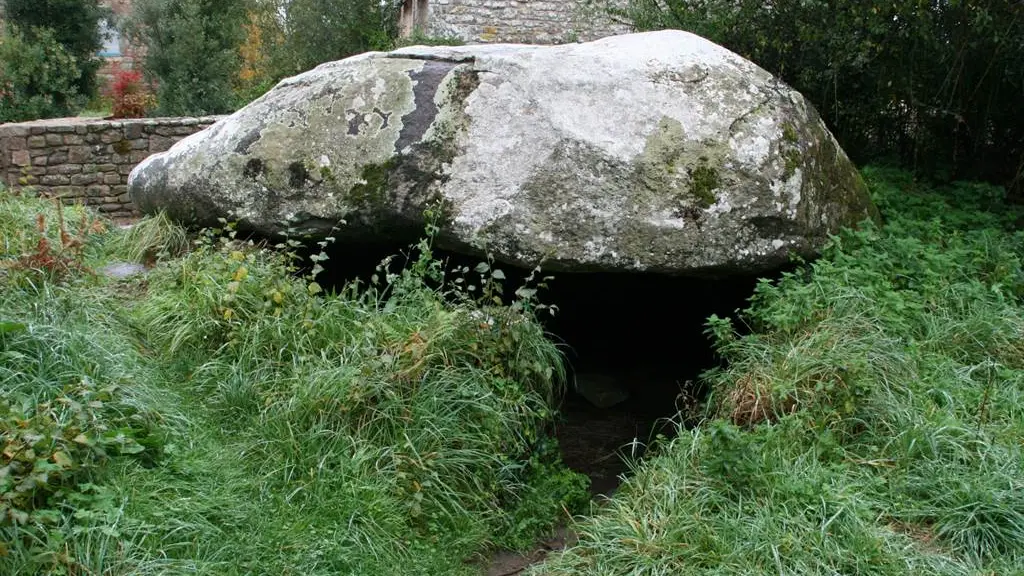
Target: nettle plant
(48,445)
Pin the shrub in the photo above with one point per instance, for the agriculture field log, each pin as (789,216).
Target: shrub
(318,31)
(37,76)
(74,24)
(130,97)
(191,52)
(934,85)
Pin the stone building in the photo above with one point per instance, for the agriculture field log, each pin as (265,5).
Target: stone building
(118,52)
(517,21)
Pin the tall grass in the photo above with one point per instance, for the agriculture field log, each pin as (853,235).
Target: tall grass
(869,423)
(241,420)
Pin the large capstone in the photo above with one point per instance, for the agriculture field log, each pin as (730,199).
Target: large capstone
(660,152)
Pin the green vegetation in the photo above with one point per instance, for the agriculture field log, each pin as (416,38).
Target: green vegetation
(214,56)
(312,32)
(37,76)
(225,415)
(703,182)
(869,419)
(191,52)
(935,86)
(74,24)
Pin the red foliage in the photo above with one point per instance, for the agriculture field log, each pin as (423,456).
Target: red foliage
(131,98)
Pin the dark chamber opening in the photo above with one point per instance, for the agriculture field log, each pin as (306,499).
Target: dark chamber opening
(634,347)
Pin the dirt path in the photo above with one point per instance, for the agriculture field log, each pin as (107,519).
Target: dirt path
(512,564)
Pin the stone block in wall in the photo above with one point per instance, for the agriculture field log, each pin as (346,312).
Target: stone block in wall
(85,179)
(97,191)
(132,131)
(110,136)
(59,157)
(79,154)
(160,144)
(74,139)
(21,158)
(17,143)
(112,178)
(54,139)
(37,141)
(65,169)
(55,180)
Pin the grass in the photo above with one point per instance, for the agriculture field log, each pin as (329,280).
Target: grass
(868,422)
(226,415)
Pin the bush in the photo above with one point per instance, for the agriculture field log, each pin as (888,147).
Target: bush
(937,88)
(286,38)
(37,77)
(318,31)
(131,99)
(191,52)
(74,25)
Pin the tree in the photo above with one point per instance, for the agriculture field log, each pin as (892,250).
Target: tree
(75,25)
(37,76)
(318,31)
(192,52)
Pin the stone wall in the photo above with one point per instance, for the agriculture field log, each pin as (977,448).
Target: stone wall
(518,21)
(85,160)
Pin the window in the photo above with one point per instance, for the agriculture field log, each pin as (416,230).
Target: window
(111,37)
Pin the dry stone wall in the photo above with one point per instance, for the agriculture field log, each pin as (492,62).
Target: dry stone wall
(522,21)
(86,160)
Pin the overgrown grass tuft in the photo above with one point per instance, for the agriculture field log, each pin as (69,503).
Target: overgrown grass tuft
(868,423)
(152,238)
(225,415)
